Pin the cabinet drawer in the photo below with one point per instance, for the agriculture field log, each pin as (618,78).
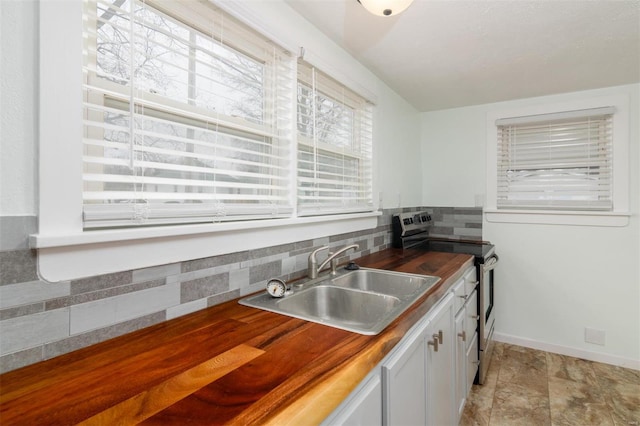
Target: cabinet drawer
(463,288)
(470,280)
(472,361)
(458,290)
(471,317)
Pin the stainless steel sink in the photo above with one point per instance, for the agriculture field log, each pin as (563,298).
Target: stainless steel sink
(352,308)
(385,282)
(363,301)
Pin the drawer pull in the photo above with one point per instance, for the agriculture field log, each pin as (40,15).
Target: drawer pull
(463,335)
(434,343)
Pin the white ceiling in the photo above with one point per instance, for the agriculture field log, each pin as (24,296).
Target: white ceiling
(442,54)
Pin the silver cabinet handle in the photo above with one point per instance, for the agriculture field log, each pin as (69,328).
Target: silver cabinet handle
(463,335)
(434,343)
(439,336)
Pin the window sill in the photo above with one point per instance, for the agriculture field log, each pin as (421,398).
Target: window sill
(548,217)
(85,254)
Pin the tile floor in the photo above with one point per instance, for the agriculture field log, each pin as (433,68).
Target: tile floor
(530,387)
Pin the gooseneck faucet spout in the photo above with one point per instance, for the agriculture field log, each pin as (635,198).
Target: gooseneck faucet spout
(313,269)
(312,263)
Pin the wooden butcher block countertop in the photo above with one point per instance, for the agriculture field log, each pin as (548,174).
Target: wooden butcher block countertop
(225,364)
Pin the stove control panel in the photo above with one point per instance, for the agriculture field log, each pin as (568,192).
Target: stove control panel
(418,219)
(415,221)
(410,228)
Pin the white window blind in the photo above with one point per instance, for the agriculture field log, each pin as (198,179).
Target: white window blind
(334,146)
(559,161)
(187,116)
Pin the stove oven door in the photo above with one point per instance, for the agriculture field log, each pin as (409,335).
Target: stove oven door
(487,315)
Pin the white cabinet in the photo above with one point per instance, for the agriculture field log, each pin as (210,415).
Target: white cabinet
(363,407)
(466,346)
(440,365)
(404,381)
(424,380)
(471,329)
(418,376)
(461,361)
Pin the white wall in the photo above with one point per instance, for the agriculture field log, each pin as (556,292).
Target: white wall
(453,157)
(18,91)
(399,172)
(553,281)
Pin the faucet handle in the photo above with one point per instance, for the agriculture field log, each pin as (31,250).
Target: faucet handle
(334,264)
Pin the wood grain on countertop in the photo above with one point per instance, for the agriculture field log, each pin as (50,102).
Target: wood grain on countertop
(225,364)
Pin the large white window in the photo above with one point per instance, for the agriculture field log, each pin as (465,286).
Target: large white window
(168,132)
(559,163)
(187,116)
(334,146)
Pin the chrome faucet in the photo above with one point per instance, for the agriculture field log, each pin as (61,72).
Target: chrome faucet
(313,269)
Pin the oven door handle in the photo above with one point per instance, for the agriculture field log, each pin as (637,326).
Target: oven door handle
(491,263)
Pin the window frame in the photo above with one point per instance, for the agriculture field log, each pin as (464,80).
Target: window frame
(67,252)
(331,90)
(105,208)
(618,216)
(544,152)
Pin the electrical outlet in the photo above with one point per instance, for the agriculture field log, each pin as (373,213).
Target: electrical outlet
(592,335)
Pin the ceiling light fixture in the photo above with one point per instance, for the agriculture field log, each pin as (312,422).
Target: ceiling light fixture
(385,7)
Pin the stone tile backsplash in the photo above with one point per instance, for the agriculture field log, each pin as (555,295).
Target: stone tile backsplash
(18,266)
(40,320)
(459,223)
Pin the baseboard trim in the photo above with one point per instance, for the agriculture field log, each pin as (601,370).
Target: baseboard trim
(569,351)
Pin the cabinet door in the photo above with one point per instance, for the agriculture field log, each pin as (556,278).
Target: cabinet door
(404,385)
(362,408)
(440,365)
